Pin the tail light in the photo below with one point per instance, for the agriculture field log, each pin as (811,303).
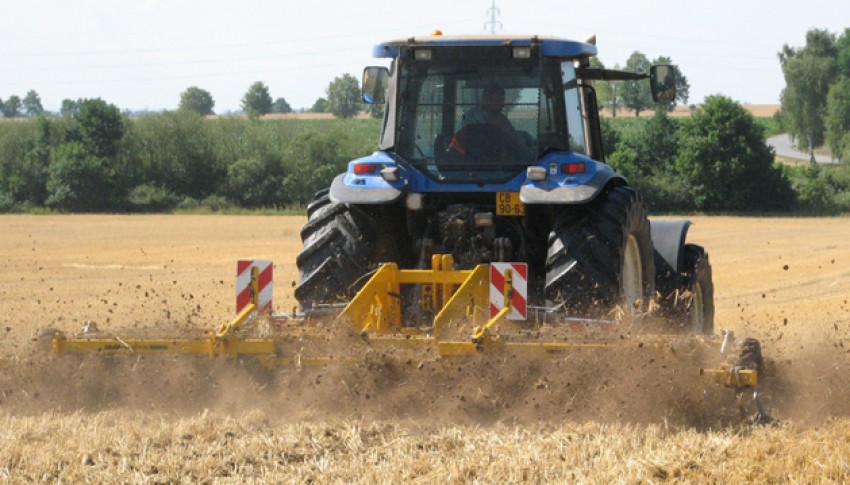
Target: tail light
(572,168)
(365,168)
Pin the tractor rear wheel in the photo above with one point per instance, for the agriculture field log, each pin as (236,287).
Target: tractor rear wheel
(339,240)
(698,304)
(601,256)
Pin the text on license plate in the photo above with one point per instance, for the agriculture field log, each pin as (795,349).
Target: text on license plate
(508,204)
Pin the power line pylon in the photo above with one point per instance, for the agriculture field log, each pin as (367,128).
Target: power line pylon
(493,12)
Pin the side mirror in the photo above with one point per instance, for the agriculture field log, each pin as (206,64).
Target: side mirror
(375,84)
(662,81)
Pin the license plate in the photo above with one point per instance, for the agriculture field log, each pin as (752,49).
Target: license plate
(508,204)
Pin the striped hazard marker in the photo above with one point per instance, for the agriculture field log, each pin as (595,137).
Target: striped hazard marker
(243,284)
(509,288)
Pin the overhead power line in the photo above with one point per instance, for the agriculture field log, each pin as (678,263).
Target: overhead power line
(346,36)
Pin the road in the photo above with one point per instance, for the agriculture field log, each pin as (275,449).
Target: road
(785,148)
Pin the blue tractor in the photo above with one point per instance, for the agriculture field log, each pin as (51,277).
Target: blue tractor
(491,150)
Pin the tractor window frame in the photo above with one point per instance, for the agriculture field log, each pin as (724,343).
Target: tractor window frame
(532,86)
(574,115)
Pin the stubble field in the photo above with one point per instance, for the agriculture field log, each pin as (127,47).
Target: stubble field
(785,281)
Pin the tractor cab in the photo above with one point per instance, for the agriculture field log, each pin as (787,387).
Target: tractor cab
(482,109)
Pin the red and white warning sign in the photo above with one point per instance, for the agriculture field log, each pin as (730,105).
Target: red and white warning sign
(509,287)
(243,284)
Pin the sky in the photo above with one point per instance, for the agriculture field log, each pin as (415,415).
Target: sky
(141,54)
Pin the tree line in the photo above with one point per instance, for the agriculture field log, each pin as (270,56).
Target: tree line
(716,160)
(342,96)
(14,106)
(98,159)
(343,101)
(635,95)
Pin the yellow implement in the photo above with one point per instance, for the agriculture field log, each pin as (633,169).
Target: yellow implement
(457,304)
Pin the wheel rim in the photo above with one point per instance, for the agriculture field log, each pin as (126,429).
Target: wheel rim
(632,276)
(697,310)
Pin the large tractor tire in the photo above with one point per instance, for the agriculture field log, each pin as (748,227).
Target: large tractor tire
(697,307)
(600,256)
(686,299)
(339,241)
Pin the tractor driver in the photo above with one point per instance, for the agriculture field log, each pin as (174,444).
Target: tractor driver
(485,124)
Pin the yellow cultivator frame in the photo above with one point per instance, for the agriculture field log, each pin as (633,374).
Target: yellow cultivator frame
(452,318)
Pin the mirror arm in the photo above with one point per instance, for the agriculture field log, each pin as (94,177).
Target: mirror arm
(597,74)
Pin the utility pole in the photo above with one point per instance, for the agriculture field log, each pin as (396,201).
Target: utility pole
(493,13)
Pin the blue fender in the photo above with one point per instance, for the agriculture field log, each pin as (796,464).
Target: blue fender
(561,188)
(368,187)
(344,194)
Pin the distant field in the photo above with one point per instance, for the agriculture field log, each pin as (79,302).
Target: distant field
(294,116)
(783,280)
(757,110)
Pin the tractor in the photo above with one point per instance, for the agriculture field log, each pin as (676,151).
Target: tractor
(486,223)
(491,150)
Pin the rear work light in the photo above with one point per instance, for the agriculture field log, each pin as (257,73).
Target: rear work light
(536,173)
(391,174)
(365,168)
(522,52)
(572,168)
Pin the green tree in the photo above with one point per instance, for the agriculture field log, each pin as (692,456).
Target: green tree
(101,127)
(344,96)
(842,47)
(70,107)
(198,100)
(645,152)
(177,151)
(23,167)
(12,107)
(610,136)
(608,93)
(611,95)
(838,119)
(320,106)
(34,173)
(257,100)
(824,189)
(726,163)
(79,181)
(312,160)
(808,73)
(636,94)
(251,183)
(281,106)
(32,104)
(655,143)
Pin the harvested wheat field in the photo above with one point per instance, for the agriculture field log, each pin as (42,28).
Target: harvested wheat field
(631,417)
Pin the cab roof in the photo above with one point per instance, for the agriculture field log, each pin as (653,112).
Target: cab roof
(550,46)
